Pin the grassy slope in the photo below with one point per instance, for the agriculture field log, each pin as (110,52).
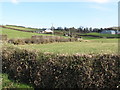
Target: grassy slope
(21,28)
(7,83)
(95,46)
(17,34)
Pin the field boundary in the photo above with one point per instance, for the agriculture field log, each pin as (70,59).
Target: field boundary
(46,70)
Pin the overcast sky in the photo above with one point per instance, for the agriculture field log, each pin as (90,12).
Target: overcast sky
(62,13)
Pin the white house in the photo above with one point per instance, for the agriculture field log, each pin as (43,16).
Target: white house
(47,31)
(108,32)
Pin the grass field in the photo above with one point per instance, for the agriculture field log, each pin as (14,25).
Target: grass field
(93,46)
(21,28)
(7,83)
(102,35)
(17,34)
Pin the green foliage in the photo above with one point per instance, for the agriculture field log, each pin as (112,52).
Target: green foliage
(62,71)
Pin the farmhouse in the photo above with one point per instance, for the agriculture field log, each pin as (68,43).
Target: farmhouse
(108,32)
(48,31)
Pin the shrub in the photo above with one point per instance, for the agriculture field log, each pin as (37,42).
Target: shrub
(16,41)
(41,39)
(3,37)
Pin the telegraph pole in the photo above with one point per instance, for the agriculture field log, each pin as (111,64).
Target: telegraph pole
(52,29)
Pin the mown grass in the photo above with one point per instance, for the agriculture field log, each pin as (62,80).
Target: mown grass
(7,83)
(92,46)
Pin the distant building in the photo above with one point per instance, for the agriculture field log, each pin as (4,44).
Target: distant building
(48,31)
(108,32)
(117,32)
(38,31)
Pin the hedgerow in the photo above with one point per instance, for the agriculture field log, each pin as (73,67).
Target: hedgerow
(46,70)
(41,40)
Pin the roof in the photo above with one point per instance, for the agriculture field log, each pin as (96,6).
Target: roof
(48,30)
(109,31)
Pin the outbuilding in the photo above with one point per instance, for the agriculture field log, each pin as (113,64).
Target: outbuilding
(108,32)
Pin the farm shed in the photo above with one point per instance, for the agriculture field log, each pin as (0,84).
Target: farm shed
(108,32)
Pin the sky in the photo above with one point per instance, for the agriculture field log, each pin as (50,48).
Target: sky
(60,13)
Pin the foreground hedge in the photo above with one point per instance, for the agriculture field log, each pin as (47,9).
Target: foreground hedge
(45,70)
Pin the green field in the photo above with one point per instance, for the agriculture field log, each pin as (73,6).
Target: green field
(17,34)
(21,28)
(102,35)
(7,83)
(92,46)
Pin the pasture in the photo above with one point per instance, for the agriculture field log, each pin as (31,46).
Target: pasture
(92,46)
(21,28)
(100,45)
(17,34)
(102,35)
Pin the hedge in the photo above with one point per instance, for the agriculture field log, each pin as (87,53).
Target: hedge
(46,70)
(41,39)
(3,37)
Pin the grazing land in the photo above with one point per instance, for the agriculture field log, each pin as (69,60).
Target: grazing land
(91,46)
(102,35)
(17,34)
(21,28)
(100,45)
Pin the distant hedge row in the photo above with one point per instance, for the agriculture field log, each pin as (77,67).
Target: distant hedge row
(41,40)
(45,70)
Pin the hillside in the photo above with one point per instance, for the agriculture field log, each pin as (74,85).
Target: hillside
(21,27)
(17,34)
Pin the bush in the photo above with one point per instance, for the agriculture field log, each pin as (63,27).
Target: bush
(41,40)
(46,70)
(3,37)
(17,41)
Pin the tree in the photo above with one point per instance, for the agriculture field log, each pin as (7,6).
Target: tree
(59,28)
(80,29)
(66,29)
(90,29)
